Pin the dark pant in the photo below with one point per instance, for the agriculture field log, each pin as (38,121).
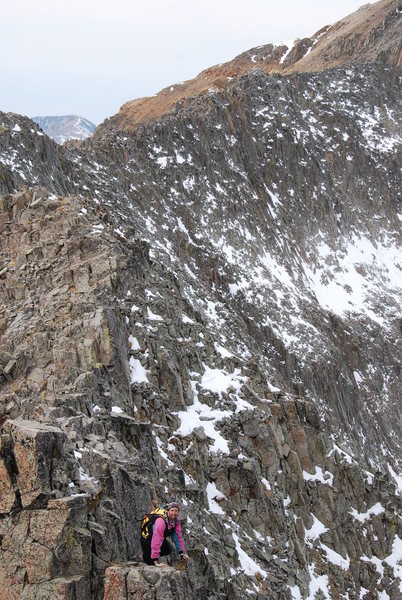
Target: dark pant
(166,549)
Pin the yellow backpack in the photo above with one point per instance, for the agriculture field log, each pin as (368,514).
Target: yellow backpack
(148,521)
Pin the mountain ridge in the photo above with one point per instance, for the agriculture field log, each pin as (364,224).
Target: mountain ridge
(357,38)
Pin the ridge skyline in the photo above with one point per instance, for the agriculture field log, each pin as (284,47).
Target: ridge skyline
(136,68)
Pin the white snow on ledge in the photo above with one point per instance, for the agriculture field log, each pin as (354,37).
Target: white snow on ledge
(318,583)
(345,455)
(216,380)
(347,279)
(377,509)
(187,319)
(214,495)
(316,530)
(137,371)
(335,558)
(272,388)
(222,351)
(202,415)
(248,565)
(289,44)
(295,591)
(163,454)
(326,478)
(314,533)
(397,478)
(394,560)
(134,343)
(152,316)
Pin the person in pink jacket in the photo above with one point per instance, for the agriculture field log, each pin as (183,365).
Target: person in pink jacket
(156,544)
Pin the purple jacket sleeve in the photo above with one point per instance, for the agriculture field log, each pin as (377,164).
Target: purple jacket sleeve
(157,537)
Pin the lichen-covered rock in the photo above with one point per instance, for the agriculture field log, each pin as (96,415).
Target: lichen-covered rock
(133,582)
(63,588)
(7,495)
(37,448)
(47,551)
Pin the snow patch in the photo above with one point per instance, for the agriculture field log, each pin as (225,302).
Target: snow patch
(137,371)
(316,530)
(248,565)
(326,478)
(394,560)
(214,496)
(202,415)
(397,478)
(377,509)
(218,381)
(152,316)
(134,343)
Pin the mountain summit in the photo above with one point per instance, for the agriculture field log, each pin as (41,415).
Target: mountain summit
(64,128)
(204,307)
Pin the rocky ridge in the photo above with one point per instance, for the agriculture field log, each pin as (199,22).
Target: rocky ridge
(162,325)
(370,35)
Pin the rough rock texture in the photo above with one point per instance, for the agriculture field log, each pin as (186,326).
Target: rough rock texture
(167,322)
(28,157)
(277,195)
(261,500)
(46,552)
(131,582)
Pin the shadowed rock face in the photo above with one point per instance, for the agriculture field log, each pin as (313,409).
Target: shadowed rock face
(205,307)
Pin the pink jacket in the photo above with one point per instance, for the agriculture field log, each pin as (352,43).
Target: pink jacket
(158,535)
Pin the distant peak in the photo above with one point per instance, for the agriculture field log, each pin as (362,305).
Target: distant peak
(65,127)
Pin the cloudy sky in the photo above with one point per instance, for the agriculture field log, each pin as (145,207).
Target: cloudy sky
(88,57)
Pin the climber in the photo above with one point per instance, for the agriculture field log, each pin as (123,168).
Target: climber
(160,525)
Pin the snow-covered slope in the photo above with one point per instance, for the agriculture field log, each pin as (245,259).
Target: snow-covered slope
(288,190)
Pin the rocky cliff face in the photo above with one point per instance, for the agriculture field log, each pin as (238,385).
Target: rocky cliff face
(206,305)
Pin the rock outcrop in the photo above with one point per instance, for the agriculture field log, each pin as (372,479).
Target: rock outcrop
(133,582)
(168,325)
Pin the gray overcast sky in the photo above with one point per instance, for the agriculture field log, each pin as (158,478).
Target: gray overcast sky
(88,57)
